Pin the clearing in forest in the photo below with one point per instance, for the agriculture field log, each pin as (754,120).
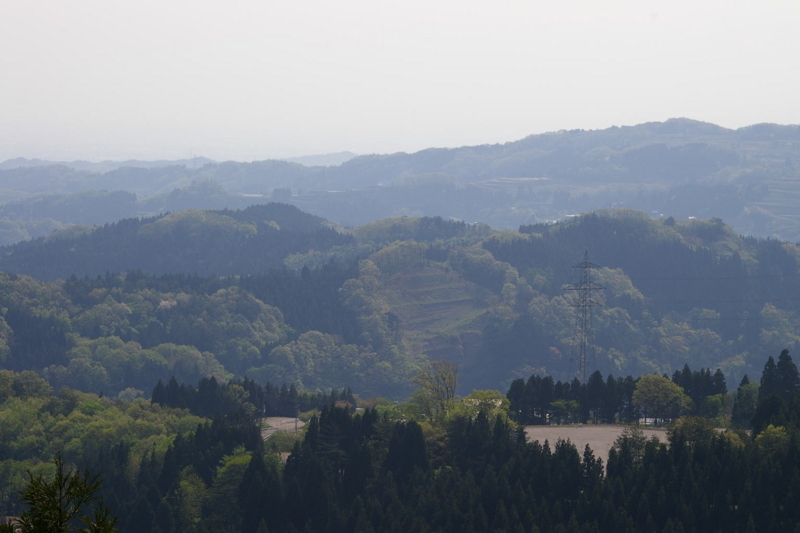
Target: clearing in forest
(599,438)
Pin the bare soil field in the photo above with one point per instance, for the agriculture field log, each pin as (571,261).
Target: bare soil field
(279,423)
(599,438)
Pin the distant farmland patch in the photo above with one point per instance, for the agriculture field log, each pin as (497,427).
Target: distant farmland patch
(599,438)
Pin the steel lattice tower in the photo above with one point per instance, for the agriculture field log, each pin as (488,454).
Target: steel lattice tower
(582,342)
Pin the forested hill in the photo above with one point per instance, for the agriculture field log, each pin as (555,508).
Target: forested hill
(365,309)
(200,242)
(748,177)
(676,292)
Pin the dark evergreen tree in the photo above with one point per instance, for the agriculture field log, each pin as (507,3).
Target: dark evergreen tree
(406,450)
(770,411)
(770,381)
(611,403)
(164,517)
(718,384)
(141,518)
(516,398)
(788,379)
(744,403)
(595,393)
(159,395)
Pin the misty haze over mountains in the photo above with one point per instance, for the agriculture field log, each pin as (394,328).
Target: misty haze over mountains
(115,295)
(325,266)
(680,168)
(322,160)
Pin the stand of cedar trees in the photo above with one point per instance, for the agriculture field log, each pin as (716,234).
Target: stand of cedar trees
(361,472)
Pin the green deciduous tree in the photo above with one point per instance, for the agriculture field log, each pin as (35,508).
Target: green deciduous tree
(773,439)
(491,402)
(692,429)
(437,383)
(658,397)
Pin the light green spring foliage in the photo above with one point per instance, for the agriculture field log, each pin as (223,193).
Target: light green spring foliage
(712,233)
(25,384)
(70,232)
(108,364)
(383,356)
(192,495)
(399,256)
(492,402)
(223,494)
(423,407)
(394,229)
(13,231)
(310,362)
(80,423)
(565,411)
(236,329)
(659,397)
(692,429)
(773,439)
(195,224)
(36,425)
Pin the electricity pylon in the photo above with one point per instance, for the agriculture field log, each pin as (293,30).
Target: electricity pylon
(582,341)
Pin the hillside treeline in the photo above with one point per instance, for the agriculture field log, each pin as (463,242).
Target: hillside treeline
(368,313)
(675,292)
(224,243)
(541,400)
(116,333)
(364,473)
(37,423)
(165,470)
(211,398)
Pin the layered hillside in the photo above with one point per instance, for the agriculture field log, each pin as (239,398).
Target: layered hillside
(682,168)
(369,307)
(225,242)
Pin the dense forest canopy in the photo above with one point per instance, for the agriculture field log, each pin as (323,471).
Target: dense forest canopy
(474,470)
(274,312)
(302,302)
(224,242)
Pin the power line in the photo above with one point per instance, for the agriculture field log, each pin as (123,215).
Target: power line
(717,278)
(768,300)
(754,319)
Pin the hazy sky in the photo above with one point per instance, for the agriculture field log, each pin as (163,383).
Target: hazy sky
(256,79)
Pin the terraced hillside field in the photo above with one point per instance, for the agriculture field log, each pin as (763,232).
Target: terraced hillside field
(439,311)
(780,205)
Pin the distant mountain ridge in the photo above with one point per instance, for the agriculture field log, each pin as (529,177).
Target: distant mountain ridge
(105,165)
(315,160)
(682,168)
(677,130)
(322,160)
